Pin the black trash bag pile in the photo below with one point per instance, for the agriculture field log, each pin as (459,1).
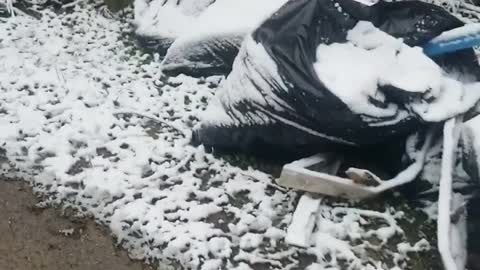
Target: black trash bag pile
(297,85)
(198,38)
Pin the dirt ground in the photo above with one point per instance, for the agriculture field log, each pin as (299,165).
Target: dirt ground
(33,238)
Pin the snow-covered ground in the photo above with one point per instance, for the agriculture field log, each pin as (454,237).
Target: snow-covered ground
(89,120)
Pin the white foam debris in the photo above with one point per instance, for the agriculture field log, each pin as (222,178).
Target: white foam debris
(67,232)
(91,123)
(303,221)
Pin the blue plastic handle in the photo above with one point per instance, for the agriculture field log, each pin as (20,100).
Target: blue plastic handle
(454,43)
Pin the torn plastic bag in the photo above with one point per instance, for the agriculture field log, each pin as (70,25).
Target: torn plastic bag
(159,22)
(320,73)
(214,39)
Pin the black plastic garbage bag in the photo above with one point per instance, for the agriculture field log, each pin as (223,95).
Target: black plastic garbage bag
(216,36)
(212,55)
(274,96)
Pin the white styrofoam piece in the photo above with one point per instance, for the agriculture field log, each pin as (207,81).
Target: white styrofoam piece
(297,175)
(303,222)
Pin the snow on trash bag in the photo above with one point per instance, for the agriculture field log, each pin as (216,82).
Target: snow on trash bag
(159,22)
(213,40)
(322,73)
